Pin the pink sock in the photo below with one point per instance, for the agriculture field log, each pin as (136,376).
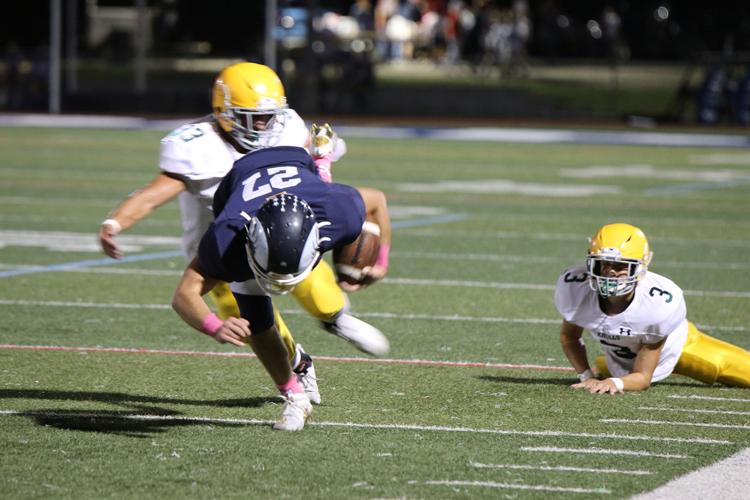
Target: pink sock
(292,386)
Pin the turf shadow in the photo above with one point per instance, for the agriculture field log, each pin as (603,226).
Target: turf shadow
(118,423)
(131,400)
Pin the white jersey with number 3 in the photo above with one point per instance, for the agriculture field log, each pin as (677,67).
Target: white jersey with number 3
(657,312)
(198,155)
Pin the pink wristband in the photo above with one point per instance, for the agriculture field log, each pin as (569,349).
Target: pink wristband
(324,167)
(211,324)
(383,253)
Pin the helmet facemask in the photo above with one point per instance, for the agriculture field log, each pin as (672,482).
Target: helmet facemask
(282,244)
(243,123)
(609,286)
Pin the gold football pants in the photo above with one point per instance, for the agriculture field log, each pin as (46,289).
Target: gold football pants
(226,306)
(712,360)
(318,294)
(707,360)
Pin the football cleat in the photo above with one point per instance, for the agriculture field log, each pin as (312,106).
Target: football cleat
(297,409)
(323,140)
(305,371)
(363,336)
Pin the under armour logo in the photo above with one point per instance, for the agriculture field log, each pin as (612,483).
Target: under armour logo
(625,331)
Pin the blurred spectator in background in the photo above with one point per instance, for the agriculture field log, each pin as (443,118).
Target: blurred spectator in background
(519,39)
(451,27)
(384,11)
(473,26)
(617,49)
(363,12)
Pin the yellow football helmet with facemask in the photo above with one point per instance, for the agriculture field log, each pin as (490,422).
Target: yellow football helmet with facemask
(623,245)
(248,103)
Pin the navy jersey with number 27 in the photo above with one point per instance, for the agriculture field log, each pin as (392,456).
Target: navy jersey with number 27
(258,176)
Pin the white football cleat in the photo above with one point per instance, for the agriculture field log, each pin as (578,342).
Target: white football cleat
(297,409)
(305,371)
(363,336)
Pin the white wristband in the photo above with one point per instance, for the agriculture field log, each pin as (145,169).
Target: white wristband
(618,383)
(116,227)
(585,375)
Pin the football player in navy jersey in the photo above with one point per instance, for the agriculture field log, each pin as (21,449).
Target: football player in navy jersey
(275,217)
(250,113)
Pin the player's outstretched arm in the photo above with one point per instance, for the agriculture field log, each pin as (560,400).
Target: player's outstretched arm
(136,207)
(637,380)
(189,304)
(376,206)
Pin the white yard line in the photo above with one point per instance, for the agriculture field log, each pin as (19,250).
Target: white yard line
(84,266)
(515,486)
(665,422)
(561,468)
(709,398)
(727,479)
(694,410)
(533,286)
(600,451)
(352,425)
(162,352)
(384,315)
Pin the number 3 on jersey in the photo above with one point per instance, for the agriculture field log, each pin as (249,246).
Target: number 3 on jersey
(278,178)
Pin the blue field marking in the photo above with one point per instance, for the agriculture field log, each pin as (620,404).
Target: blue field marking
(92,263)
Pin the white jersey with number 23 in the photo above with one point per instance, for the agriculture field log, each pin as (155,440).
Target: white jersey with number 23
(198,155)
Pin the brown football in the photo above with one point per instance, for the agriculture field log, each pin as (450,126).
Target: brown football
(351,261)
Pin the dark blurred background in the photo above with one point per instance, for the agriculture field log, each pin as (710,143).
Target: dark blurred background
(687,62)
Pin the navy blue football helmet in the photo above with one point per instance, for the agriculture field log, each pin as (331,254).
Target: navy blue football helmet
(282,243)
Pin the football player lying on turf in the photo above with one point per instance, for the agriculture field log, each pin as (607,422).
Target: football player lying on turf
(249,113)
(639,318)
(274,219)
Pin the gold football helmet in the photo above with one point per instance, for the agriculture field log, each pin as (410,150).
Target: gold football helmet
(614,248)
(248,103)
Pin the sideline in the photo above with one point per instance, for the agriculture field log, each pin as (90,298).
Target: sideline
(486,134)
(726,479)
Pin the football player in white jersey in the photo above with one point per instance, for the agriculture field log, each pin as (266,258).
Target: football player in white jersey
(250,112)
(639,319)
